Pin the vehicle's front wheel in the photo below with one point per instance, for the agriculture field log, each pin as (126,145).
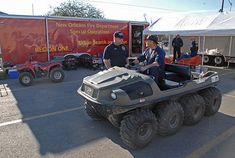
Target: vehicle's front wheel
(170,116)
(212,97)
(26,78)
(194,108)
(138,128)
(206,59)
(57,75)
(91,111)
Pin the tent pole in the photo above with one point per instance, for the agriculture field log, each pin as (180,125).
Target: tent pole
(169,44)
(230,50)
(230,45)
(203,48)
(203,45)
(199,43)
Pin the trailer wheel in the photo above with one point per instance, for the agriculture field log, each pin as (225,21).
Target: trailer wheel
(170,116)
(219,60)
(138,128)
(206,59)
(56,75)
(212,97)
(26,78)
(194,108)
(91,111)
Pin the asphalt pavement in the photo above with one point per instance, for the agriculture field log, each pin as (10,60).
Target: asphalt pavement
(48,120)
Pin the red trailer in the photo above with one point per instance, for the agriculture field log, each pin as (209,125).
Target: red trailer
(55,36)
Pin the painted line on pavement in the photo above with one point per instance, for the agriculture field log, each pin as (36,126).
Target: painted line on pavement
(211,144)
(228,95)
(223,74)
(24,88)
(39,116)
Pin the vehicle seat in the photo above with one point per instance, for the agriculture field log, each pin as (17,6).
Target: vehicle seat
(44,64)
(177,73)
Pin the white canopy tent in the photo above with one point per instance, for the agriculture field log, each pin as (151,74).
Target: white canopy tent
(211,26)
(195,24)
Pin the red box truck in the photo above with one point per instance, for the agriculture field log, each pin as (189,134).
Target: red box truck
(56,36)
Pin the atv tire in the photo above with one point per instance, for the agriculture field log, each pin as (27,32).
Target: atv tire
(212,97)
(26,78)
(91,111)
(56,75)
(170,116)
(115,120)
(138,128)
(194,108)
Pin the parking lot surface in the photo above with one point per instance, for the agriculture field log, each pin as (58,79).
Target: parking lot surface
(48,120)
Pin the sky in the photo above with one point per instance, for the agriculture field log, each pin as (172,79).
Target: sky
(135,10)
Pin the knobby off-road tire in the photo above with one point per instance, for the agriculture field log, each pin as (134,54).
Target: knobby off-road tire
(194,108)
(56,75)
(115,120)
(26,78)
(138,128)
(212,97)
(170,116)
(92,112)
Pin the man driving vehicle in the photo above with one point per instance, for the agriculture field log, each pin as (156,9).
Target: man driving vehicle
(154,57)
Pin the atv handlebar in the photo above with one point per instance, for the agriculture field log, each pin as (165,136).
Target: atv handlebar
(133,66)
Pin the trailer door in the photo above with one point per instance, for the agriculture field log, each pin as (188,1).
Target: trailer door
(136,39)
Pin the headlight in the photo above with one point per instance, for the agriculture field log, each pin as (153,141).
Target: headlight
(113,95)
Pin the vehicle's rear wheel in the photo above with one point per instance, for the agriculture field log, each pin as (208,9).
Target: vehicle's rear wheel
(91,111)
(56,75)
(212,97)
(138,128)
(219,60)
(26,78)
(194,108)
(170,116)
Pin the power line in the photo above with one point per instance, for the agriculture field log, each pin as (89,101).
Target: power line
(132,5)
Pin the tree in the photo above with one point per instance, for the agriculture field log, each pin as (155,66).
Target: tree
(74,8)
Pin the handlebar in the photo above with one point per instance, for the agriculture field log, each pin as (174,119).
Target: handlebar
(133,66)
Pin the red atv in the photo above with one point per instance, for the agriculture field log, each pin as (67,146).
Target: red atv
(33,70)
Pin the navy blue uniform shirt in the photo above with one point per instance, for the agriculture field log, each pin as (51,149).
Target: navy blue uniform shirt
(117,54)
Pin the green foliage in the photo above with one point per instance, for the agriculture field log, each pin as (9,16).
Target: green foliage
(73,8)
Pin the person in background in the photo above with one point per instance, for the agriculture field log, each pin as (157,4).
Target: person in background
(194,48)
(177,43)
(154,56)
(116,53)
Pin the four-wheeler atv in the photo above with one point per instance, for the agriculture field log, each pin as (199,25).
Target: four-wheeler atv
(141,108)
(34,70)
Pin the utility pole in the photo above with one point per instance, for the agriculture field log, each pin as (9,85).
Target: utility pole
(32,9)
(145,16)
(222,7)
(231,4)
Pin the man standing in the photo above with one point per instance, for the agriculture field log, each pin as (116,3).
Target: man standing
(154,56)
(194,48)
(177,43)
(116,53)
